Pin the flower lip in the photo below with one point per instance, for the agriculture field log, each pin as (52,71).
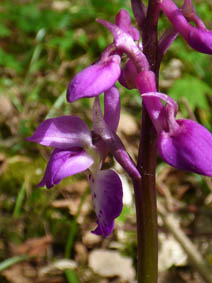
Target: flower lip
(188,148)
(107,200)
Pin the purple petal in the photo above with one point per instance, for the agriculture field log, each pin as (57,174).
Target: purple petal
(139,11)
(200,40)
(95,79)
(124,22)
(106,190)
(164,97)
(166,41)
(189,12)
(146,83)
(128,75)
(64,163)
(124,42)
(188,148)
(111,142)
(63,132)
(112,108)
(100,127)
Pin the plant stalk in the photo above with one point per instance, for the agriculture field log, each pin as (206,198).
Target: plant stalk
(146,210)
(145,194)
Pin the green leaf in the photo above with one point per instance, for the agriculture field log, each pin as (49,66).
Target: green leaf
(193,89)
(126,211)
(11,261)
(4,31)
(9,61)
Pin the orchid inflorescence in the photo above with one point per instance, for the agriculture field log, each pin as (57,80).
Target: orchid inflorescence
(182,143)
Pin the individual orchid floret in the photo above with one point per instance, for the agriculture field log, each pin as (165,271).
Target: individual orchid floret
(76,150)
(67,159)
(189,147)
(95,79)
(183,143)
(102,75)
(199,38)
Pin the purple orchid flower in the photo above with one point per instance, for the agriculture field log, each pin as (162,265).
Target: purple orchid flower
(76,151)
(101,76)
(182,143)
(199,38)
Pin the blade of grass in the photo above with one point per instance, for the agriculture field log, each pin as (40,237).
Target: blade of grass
(73,227)
(58,103)
(37,50)
(71,276)
(11,261)
(35,55)
(19,201)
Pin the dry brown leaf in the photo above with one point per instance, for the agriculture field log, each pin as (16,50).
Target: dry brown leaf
(20,273)
(36,247)
(47,279)
(26,273)
(71,204)
(77,187)
(81,253)
(3,163)
(127,124)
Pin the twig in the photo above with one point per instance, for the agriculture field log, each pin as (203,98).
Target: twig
(188,108)
(194,256)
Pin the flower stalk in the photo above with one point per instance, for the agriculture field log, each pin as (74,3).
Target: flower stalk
(145,194)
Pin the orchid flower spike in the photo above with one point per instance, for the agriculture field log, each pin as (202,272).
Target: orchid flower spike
(75,151)
(199,38)
(182,143)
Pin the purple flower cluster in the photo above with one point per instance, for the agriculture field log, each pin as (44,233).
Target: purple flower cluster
(182,143)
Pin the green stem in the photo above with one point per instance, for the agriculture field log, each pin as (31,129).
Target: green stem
(73,227)
(146,210)
(145,194)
